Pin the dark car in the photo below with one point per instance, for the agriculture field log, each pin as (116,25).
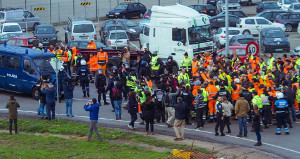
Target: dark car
(241,40)
(46,33)
(127,10)
(290,20)
(274,40)
(105,31)
(5,37)
(270,14)
(266,5)
(212,2)
(218,21)
(205,9)
(147,14)
(82,44)
(132,29)
(238,13)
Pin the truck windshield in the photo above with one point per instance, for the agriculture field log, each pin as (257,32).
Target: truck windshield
(43,65)
(199,34)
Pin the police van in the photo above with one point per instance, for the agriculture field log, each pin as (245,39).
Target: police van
(20,69)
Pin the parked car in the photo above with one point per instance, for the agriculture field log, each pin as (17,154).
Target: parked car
(127,10)
(212,2)
(5,37)
(205,9)
(117,39)
(290,20)
(249,2)
(104,33)
(298,29)
(218,21)
(266,5)
(232,5)
(82,44)
(296,51)
(20,16)
(239,50)
(80,30)
(21,41)
(285,4)
(7,28)
(253,25)
(132,29)
(238,13)
(274,40)
(220,36)
(241,40)
(46,33)
(270,14)
(294,7)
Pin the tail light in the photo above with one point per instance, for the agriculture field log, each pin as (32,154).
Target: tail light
(277,21)
(147,16)
(205,11)
(3,22)
(109,42)
(223,36)
(241,26)
(95,37)
(72,37)
(127,41)
(106,33)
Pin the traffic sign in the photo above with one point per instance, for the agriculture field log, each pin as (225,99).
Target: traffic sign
(252,48)
(85,3)
(56,65)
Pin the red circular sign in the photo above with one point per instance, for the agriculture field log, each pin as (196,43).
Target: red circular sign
(252,48)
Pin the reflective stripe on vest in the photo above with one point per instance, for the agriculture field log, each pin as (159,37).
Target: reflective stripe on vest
(153,62)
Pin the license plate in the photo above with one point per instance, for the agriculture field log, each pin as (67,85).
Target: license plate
(84,37)
(278,49)
(278,42)
(119,41)
(111,15)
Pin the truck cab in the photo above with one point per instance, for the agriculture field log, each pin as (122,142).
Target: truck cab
(20,69)
(177,29)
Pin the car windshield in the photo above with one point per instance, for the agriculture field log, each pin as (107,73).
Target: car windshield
(296,6)
(121,6)
(199,34)
(11,28)
(130,23)
(290,1)
(271,6)
(120,35)
(1,16)
(83,28)
(274,34)
(245,41)
(231,1)
(46,30)
(43,65)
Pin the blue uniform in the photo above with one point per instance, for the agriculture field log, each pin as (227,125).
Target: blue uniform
(281,106)
(83,72)
(220,122)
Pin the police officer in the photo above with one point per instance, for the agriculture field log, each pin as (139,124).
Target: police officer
(125,72)
(83,73)
(170,65)
(188,97)
(281,107)
(144,70)
(100,84)
(160,109)
(109,88)
(155,63)
(186,63)
(223,92)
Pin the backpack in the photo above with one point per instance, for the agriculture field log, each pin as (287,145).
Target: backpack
(116,93)
(167,101)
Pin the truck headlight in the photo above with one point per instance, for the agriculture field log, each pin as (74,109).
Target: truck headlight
(117,13)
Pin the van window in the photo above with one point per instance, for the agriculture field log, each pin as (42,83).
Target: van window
(1,16)
(178,34)
(13,62)
(11,42)
(2,60)
(120,35)
(153,32)
(146,31)
(27,14)
(28,66)
(249,21)
(83,28)
(20,42)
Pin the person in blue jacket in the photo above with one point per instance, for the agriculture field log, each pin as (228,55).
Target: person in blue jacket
(281,107)
(50,90)
(93,108)
(68,86)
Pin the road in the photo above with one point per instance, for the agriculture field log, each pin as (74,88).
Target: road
(284,146)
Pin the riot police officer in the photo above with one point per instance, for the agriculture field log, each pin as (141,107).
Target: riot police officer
(100,84)
(83,73)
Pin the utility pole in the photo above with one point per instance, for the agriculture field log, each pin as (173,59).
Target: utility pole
(227,26)
(51,12)
(0,3)
(25,4)
(73,9)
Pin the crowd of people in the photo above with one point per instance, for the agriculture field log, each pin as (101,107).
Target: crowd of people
(207,89)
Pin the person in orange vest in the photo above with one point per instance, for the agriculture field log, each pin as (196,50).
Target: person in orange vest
(212,91)
(102,59)
(148,82)
(236,90)
(207,58)
(91,45)
(195,66)
(51,49)
(93,66)
(65,57)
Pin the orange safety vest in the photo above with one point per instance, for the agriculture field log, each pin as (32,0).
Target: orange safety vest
(207,58)
(74,53)
(195,68)
(102,56)
(236,92)
(51,51)
(250,77)
(212,91)
(93,64)
(195,92)
(91,46)
(65,57)
(260,91)
(286,68)
(149,84)
(204,77)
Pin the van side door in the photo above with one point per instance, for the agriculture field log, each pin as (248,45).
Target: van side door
(144,35)
(13,81)
(29,75)
(178,43)
(2,71)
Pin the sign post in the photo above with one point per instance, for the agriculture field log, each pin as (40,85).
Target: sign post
(56,65)
(252,48)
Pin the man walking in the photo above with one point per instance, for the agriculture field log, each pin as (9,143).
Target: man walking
(68,87)
(180,113)
(12,107)
(49,90)
(241,110)
(93,108)
(168,103)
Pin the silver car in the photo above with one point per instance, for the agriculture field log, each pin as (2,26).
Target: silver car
(232,5)
(80,30)
(117,39)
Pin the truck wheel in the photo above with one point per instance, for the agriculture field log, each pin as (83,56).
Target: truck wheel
(35,93)
(109,65)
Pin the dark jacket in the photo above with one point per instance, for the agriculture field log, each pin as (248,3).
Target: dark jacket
(132,105)
(223,92)
(94,111)
(180,109)
(100,81)
(68,91)
(247,96)
(188,97)
(256,121)
(12,106)
(148,111)
(50,94)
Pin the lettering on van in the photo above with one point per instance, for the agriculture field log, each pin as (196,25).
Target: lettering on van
(166,23)
(12,75)
(178,50)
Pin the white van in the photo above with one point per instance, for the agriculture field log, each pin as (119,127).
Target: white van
(177,29)
(144,35)
(10,28)
(285,4)
(80,30)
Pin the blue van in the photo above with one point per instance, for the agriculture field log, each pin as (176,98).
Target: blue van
(20,69)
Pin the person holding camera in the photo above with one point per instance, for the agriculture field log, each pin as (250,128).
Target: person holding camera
(93,108)
(50,90)
(68,87)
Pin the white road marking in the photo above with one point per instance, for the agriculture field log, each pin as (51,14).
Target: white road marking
(209,132)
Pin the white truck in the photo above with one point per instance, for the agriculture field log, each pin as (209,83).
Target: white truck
(177,29)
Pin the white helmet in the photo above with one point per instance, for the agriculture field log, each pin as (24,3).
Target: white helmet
(279,95)
(61,68)
(83,62)
(237,80)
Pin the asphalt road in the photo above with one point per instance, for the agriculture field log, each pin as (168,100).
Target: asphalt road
(284,146)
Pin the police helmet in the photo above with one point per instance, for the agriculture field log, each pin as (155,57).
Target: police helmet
(126,64)
(170,57)
(279,95)
(144,63)
(237,80)
(83,62)
(114,68)
(100,71)
(154,53)
(61,68)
